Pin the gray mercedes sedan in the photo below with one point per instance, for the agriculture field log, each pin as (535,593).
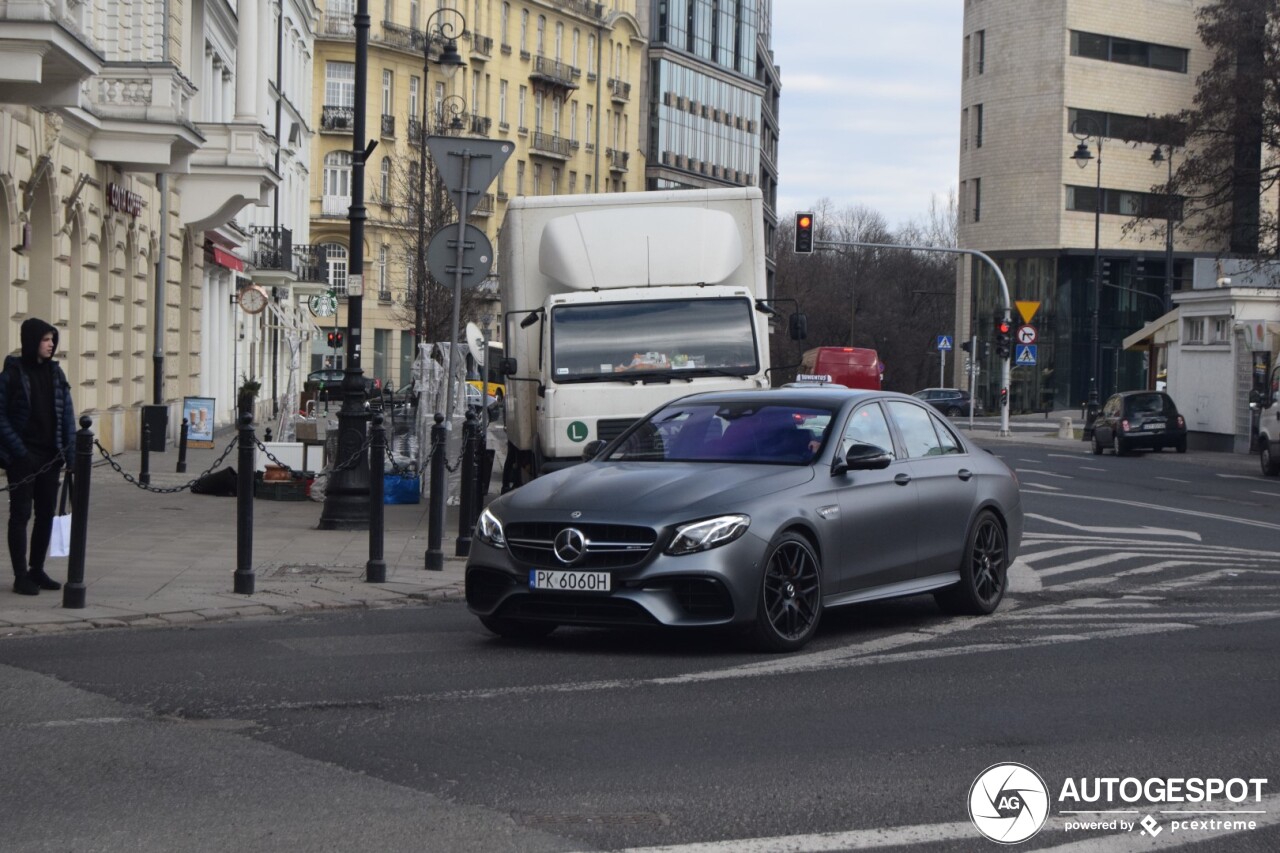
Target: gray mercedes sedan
(755,508)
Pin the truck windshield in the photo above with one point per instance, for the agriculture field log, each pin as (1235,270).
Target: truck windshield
(631,340)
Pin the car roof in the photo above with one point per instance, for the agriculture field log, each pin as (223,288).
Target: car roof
(815,395)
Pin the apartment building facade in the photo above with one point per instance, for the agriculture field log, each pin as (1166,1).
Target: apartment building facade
(1040,79)
(131,135)
(558,79)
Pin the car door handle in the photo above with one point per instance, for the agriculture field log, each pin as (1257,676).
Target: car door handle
(964,474)
(902,479)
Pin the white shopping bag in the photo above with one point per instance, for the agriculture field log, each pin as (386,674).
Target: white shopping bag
(60,537)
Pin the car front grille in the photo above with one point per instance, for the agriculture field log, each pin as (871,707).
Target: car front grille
(576,609)
(609,546)
(610,428)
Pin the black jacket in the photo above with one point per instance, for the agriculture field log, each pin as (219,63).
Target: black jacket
(15,397)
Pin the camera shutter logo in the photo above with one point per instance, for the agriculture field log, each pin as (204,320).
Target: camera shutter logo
(1008,803)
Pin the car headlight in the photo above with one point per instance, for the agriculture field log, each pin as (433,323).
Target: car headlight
(710,533)
(489,530)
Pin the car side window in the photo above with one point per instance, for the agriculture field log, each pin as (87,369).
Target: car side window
(916,426)
(867,426)
(946,438)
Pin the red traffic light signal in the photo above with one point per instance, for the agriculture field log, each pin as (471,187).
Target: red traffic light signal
(335,339)
(804,233)
(1003,328)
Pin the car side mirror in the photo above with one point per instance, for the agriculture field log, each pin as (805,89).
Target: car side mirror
(863,457)
(799,326)
(507,366)
(593,449)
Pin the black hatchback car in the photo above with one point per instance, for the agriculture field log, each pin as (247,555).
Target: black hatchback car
(1139,419)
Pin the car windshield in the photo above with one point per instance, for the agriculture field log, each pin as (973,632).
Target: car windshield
(635,340)
(730,432)
(1150,404)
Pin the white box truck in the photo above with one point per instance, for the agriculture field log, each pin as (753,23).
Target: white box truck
(617,303)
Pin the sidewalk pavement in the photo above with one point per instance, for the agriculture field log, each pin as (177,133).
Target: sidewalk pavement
(165,559)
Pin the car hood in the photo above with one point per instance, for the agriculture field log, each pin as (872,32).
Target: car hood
(650,489)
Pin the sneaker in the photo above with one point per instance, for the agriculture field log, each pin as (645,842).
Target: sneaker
(24,585)
(43,580)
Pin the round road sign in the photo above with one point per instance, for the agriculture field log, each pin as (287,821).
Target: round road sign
(1026,334)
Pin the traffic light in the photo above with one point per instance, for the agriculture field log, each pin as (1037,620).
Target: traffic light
(1003,328)
(986,350)
(967,346)
(804,233)
(1004,397)
(335,339)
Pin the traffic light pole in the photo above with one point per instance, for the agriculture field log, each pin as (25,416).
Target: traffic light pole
(1004,290)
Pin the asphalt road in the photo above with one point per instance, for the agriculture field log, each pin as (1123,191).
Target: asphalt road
(1140,642)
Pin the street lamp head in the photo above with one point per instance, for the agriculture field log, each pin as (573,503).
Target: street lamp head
(1157,156)
(1082,155)
(450,60)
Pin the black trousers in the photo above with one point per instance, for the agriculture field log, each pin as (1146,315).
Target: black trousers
(40,494)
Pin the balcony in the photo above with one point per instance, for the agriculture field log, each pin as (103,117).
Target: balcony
(550,145)
(479,125)
(235,167)
(342,26)
(551,72)
(617,159)
(45,55)
(397,36)
(335,205)
(485,207)
(389,126)
(481,46)
(144,115)
(582,7)
(619,90)
(414,131)
(337,119)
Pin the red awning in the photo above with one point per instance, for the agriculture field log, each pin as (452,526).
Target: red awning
(223,258)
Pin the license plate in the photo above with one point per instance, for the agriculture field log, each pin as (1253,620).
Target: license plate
(1153,425)
(569,581)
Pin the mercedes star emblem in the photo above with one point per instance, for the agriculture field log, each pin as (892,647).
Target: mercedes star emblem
(570,545)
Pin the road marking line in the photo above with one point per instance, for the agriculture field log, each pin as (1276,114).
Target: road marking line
(1239,476)
(1044,473)
(1090,468)
(1147,530)
(1267,525)
(1045,486)
(1173,479)
(1268,494)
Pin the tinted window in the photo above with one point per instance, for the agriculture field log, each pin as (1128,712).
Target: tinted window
(916,426)
(733,432)
(867,426)
(946,438)
(1150,404)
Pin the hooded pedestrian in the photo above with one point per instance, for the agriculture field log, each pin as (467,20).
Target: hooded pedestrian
(37,434)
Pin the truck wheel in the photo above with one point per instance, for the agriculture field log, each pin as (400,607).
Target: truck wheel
(1270,465)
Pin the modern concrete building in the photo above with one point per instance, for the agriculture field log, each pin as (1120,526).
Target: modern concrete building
(130,136)
(713,96)
(1039,80)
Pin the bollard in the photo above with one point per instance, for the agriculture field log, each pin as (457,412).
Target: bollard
(73,593)
(462,546)
(144,476)
(376,569)
(182,447)
(267,434)
(244,510)
(435,507)
(1065,429)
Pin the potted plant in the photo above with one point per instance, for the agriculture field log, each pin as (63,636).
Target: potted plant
(248,391)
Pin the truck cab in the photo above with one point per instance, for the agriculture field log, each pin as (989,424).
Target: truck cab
(1266,402)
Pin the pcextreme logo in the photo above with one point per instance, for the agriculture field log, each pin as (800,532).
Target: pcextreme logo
(1008,803)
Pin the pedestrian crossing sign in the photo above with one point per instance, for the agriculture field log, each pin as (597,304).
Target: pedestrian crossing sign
(944,342)
(1025,355)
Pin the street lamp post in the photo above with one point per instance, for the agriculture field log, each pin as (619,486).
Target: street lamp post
(449,61)
(1082,156)
(1157,157)
(346,502)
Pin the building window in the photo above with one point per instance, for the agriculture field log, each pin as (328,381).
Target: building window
(555,181)
(537,114)
(339,84)
(975,189)
(1112,125)
(384,286)
(559,41)
(573,122)
(591,54)
(519,177)
(591,126)
(524,30)
(414,83)
(542,35)
(537,179)
(977,125)
(1124,202)
(337,183)
(336,256)
(1194,331)
(388,95)
(506,23)
(520,123)
(384,186)
(1128,51)
(502,103)
(1221,329)
(980,50)
(415,14)
(964,59)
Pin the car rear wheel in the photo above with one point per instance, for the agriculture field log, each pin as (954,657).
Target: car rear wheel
(954,412)
(1097,445)
(790,600)
(1118,445)
(1270,465)
(517,629)
(1181,445)
(984,572)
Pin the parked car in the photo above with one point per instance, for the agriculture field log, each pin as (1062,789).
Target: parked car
(756,509)
(952,402)
(1139,419)
(326,384)
(473,401)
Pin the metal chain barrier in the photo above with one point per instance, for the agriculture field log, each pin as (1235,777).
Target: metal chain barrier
(56,462)
(439,447)
(348,463)
(106,454)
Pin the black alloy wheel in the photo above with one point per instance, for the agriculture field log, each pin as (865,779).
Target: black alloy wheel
(984,571)
(1270,465)
(790,603)
(954,412)
(517,629)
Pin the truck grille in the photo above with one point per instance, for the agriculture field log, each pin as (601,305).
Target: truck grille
(609,546)
(610,428)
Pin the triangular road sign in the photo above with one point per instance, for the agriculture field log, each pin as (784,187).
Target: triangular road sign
(484,157)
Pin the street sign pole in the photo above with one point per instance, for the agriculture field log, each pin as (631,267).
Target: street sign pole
(462,545)
(942,369)
(973,361)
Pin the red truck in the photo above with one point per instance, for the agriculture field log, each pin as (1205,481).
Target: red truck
(852,367)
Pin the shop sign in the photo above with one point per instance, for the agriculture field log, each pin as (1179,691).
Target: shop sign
(124,200)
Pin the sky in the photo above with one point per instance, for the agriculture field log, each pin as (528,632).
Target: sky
(870,109)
